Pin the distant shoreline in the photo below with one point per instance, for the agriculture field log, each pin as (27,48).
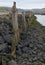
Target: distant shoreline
(39,14)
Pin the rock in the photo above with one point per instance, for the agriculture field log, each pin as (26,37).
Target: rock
(3,47)
(12,62)
(7,38)
(23,35)
(1,40)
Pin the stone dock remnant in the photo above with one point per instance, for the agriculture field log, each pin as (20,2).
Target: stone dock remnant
(15,28)
(24,22)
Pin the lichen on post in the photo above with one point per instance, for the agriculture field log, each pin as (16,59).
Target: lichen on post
(15,28)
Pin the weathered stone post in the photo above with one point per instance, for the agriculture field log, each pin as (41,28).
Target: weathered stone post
(28,22)
(24,22)
(15,28)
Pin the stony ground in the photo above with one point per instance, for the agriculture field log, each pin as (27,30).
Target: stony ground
(5,35)
(29,51)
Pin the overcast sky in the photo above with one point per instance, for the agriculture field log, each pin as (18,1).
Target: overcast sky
(25,4)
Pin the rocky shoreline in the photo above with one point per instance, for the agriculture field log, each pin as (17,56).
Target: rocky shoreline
(31,48)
